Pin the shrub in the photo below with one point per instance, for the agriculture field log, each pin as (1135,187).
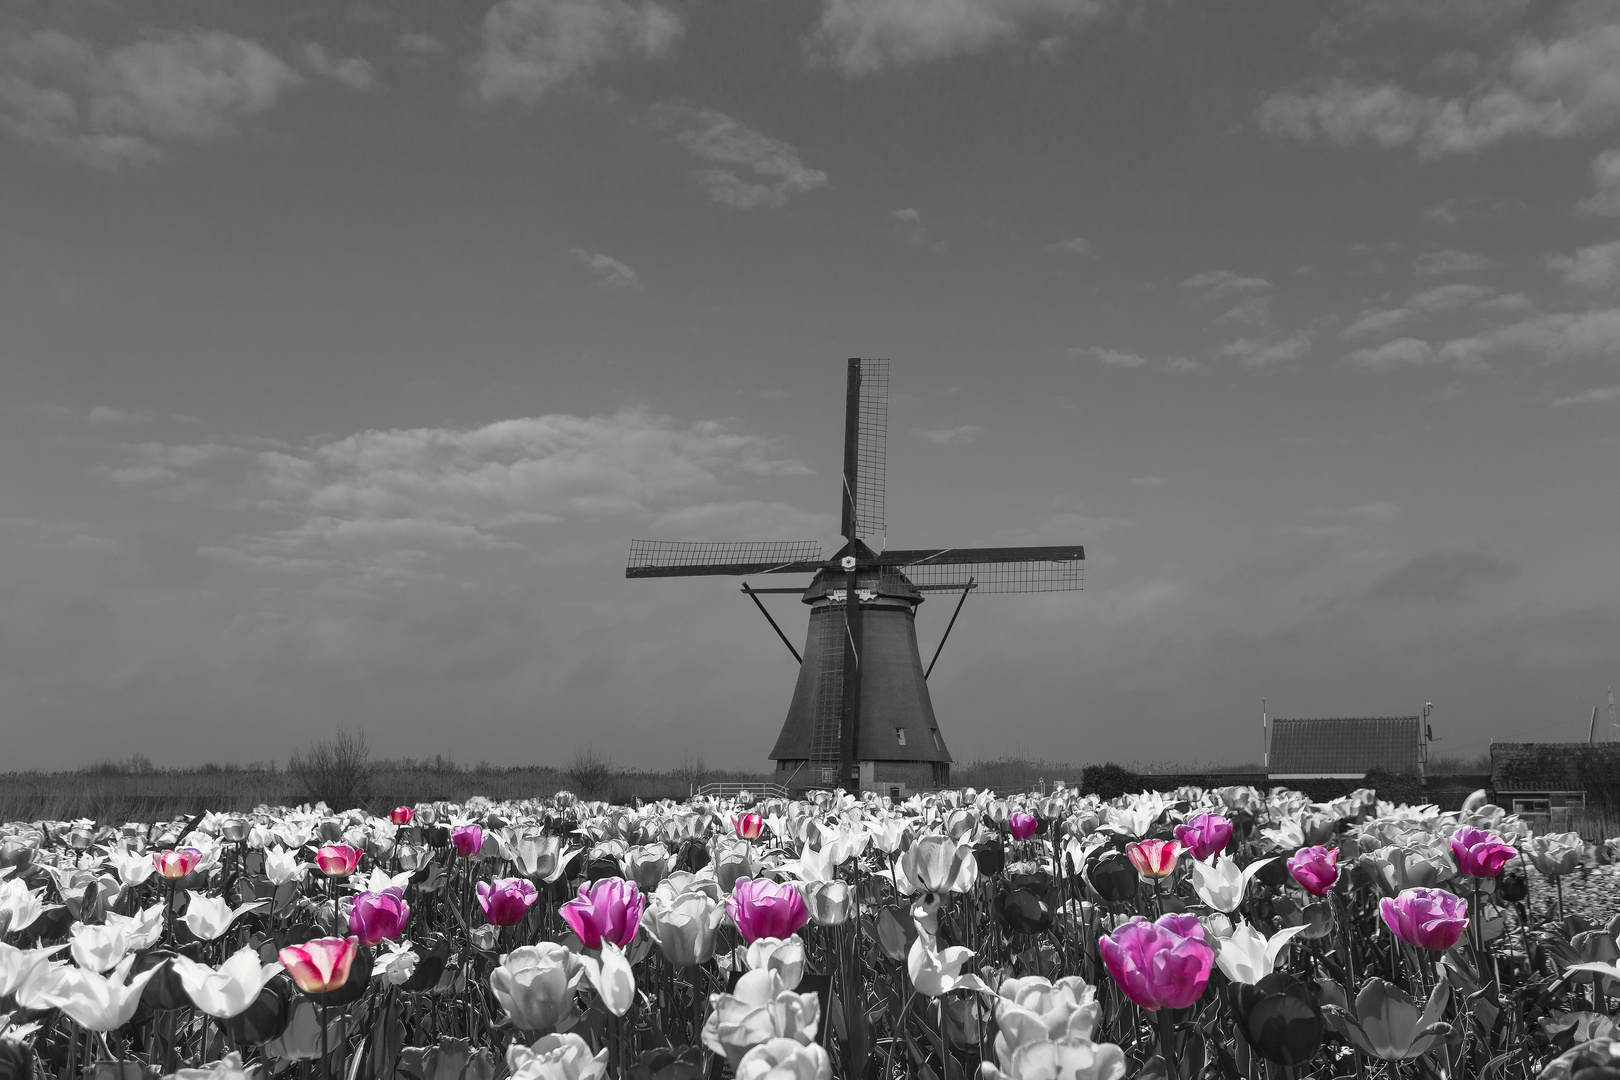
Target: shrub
(590,775)
(336,771)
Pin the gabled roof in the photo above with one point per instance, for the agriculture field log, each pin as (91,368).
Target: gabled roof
(1344,747)
(1554,766)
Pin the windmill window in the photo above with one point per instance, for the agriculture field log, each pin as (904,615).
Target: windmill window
(939,743)
(900,735)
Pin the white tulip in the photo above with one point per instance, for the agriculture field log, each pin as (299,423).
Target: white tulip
(1221,885)
(1247,957)
(228,991)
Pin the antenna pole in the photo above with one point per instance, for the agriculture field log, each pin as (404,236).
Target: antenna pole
(752,595)
(1265,738)
(1614,728)
(1591,734)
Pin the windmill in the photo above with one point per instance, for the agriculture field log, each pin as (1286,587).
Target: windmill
(861,715)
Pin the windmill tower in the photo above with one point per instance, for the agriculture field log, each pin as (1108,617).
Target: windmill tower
(861,715)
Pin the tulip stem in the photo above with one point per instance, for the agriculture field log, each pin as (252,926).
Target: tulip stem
(1167,1044)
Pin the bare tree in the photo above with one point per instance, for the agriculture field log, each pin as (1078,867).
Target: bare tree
(590,774)
(336,771)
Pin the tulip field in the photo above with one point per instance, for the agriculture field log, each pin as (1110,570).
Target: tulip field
(1212,934)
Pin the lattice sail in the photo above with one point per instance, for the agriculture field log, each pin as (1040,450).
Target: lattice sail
(999,577)
(872,449)
(678,558)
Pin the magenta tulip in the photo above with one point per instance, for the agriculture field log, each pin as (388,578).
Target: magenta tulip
(506,900)
(1427,918)
(609,910)
(1315,868)
(1159,965)
(1480,853)
(748,826)
(1022,826)
(375,917)
(401,815)
(468,840)
(1204,835)
(337,860)
(765,909)
(321,965)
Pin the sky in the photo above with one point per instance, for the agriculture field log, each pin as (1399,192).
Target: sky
(345,346)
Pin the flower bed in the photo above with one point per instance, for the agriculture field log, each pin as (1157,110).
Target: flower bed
(1214,934)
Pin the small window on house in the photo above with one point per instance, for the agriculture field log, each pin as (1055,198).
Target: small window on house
(894,792)
(900,735)
(939,743)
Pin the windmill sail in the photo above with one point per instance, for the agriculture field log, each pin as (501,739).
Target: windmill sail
(693,558)
(872,448)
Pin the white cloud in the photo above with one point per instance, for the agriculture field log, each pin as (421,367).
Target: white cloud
(1269,352)
(743,168)
(107,416)
(1380,511)
(1253,311)
(123,105)
(1073,246)
(351,71)
(1149,481)
(860,37)
(955,436)
(1402,352)
(1541,337)
(377,493)
(610,272)
(1595,267)
(532,47)
(1111,357)
(747,519)
(1567,87)
(1222,284)
(908,215)
(1601,395)
(1440,263)
(1605,198)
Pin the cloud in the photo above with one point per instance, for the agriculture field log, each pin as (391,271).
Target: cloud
(123,105)
(1380,511)
(1601,395)
(420,44)
(1439,263)
(1440,300)
(380,493)
(1605,198)
(1402,352)
(743,168)
(1254,311)
(532,47)
(860,37)
(1148,481)
(1562,88)
(107,415)
(610,272)
(1269,352)
(1442,577)
(955,436)
(1111,357)
(1541,336)
(1222,284)
(351,71)
(1074,246)
(1596,267)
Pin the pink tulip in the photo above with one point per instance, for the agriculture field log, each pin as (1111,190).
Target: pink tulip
(1159,965)
(1153,858)
(1022,826)
(468,840)
(337,860)
(765,909)
(609,910)
(748,826)
(507,900)
(401,815)
(176,864)
(1480,853)
(375,917)
(1315,868)
(321,965)
(1204,835)
(1427,918)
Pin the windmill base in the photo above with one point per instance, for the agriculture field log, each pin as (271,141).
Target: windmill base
(897,779)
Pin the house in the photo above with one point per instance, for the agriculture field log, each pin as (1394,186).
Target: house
(1554,781)
(1344,749)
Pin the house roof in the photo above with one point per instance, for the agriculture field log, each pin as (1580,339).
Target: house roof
(1344,747)
(1554,766)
